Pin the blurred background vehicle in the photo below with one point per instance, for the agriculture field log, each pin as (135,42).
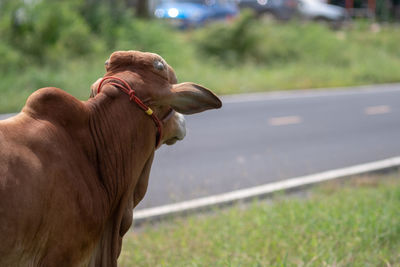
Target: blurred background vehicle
(194,13)
(320,11)
(279,9)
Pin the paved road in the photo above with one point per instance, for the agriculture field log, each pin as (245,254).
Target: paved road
(5,116)
(262,138)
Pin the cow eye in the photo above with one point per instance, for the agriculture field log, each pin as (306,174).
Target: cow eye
(158,65)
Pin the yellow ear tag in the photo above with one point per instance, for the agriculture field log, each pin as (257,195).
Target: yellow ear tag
(149,111)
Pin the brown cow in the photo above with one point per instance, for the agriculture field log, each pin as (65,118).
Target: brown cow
(72,171)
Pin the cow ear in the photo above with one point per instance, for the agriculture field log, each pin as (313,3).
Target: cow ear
(190,98)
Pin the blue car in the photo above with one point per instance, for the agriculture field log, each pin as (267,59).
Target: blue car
(195,13)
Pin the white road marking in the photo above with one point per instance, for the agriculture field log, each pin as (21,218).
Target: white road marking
(377,110)
(265,189)
(311,93)
(279,121)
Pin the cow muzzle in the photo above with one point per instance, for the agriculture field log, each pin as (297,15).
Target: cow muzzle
(175,129)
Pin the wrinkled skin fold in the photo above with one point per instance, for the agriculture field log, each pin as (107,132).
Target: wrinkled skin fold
(72,171)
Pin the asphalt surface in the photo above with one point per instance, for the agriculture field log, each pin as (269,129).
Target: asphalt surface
(5,116)
(258,139)
(261,138)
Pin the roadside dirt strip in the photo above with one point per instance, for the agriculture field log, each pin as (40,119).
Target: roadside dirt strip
(263,190)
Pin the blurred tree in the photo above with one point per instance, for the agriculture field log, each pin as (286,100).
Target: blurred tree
(383,10)
(142,8)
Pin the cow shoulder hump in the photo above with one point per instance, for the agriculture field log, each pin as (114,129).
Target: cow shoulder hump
(55,105)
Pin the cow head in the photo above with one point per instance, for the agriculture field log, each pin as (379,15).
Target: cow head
(155,83)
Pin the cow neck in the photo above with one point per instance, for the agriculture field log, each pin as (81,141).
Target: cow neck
(121,144)
(123,156)
(127,89)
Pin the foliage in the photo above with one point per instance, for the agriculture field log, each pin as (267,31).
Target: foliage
(45,31)
(65,43)
(42,30)
(270,43)
(233,42)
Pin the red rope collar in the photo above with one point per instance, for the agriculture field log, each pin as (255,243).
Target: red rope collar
(126,88)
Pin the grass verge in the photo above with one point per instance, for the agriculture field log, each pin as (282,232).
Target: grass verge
(357,224)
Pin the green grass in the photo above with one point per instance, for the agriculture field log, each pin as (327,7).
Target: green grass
(357,224)
(74,77)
